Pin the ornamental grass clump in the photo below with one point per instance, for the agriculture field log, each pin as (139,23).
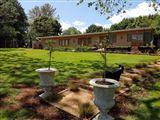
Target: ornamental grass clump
(86,110)
(141,65)
(73,86)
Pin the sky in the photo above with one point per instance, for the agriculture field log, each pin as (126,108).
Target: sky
(82,16)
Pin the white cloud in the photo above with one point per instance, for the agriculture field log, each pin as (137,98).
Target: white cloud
(104,25)
(78,23)
(83,29)
(141,9)
(65,25)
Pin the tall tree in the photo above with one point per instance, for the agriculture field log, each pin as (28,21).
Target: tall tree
(46,26)
(13,24)
(45,10)
(71,31)
(94,28)
(139,22)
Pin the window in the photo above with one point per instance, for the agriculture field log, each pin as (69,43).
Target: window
(84,41)
(63,42)
(137,37)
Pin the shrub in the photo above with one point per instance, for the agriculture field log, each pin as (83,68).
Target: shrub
(141,65)
(53,97)
(86,110)
(61,48)
(136,78)
(73,86)
(158,52)
(120,49)
(85,81)
(83,49)
(4,92)
(156,68)
(149,71)
(147,49)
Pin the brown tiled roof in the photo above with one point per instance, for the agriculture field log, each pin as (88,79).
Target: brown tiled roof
(94,34)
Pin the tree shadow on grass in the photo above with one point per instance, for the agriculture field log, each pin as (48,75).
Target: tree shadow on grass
(146,110)
(17,68)
(11,49)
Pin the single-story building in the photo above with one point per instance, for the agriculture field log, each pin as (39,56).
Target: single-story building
(127,37)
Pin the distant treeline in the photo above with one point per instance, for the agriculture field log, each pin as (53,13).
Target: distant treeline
(139,22)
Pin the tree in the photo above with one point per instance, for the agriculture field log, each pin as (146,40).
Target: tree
(139,22)
(46,26)
(71,31)
(94,28)
(13,24)
(111,7)
(45,10)
(156,24)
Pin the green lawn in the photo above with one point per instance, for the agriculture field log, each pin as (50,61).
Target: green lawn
(19,65)
(147,105)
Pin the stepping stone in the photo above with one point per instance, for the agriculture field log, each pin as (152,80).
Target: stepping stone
(71,101)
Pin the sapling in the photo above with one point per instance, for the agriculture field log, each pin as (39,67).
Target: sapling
(50,48)
(103,45)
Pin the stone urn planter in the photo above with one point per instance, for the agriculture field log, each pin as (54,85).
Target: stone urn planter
(46,80)
(104,96)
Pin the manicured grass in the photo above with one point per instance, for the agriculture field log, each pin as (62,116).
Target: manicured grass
(19,65)
(148,105)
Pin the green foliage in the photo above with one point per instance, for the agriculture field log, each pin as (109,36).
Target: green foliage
(64,49)
(69,64)
(13,24)
(50,44)
(82,49)
(45,10)
(71,31)
(73,86)
(46,26)
(4,92)
(136,78)
(141,65)
(52,97)
(19,114)
(31,36)
(86,110)
(94,28)
(112,7)
(139,22)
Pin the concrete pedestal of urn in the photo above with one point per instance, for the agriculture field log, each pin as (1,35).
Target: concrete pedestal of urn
(104,97)
(46,80)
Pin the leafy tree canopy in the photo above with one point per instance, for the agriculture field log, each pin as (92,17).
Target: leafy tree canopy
(46,26)
(139,22)
(45,10)
(94,28)
(13,24)
(71,31)
(111,7)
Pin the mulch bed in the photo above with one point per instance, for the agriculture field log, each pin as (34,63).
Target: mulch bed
(28,98)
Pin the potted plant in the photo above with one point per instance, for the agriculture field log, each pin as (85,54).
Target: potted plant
(104,88)
(47,74)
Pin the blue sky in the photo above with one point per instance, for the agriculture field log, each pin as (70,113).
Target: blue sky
(81,16)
